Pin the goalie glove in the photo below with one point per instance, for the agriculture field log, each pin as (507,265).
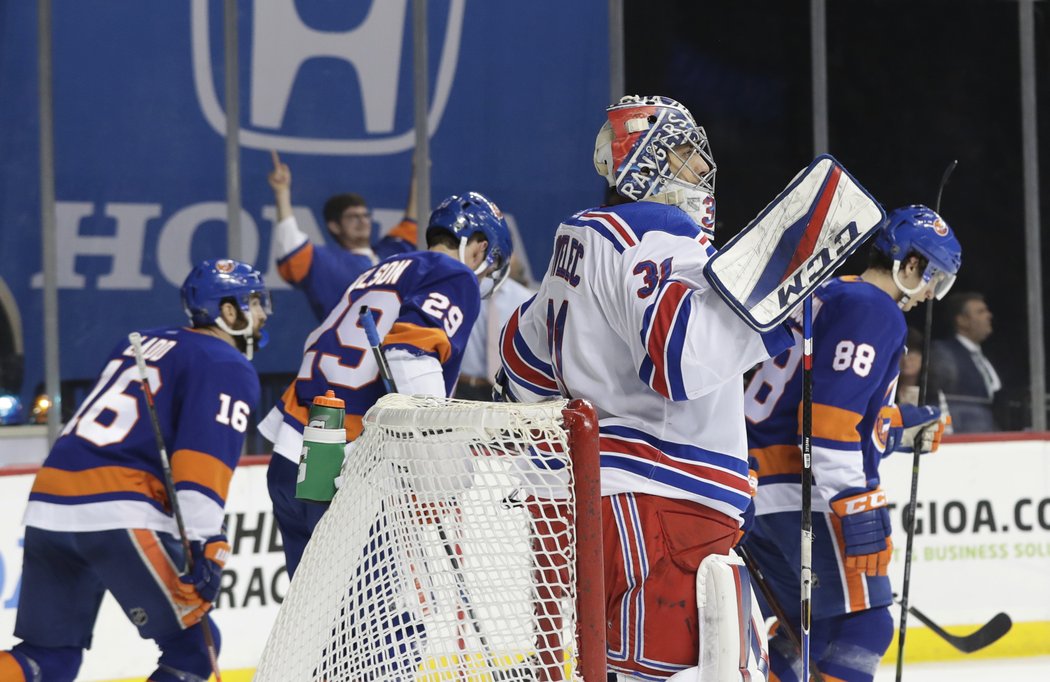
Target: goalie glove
(909,426)
(862,522)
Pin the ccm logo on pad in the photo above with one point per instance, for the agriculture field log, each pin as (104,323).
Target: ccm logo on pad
(862,503)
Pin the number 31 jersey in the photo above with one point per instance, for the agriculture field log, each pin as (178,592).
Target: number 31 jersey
(626,319)
(422,302)
(105,473)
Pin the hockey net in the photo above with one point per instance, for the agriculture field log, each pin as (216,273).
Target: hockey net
(464,543)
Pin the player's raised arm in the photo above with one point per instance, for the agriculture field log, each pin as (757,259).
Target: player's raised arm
(280,179)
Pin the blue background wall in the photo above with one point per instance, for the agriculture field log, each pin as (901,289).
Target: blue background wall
(140,149)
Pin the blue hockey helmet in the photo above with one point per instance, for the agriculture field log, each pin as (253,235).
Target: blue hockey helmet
(917,229)
(465,215)
(213,281)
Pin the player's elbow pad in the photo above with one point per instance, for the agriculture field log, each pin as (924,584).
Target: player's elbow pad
(416,374)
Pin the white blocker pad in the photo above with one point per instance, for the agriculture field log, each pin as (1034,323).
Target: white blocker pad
(794,244)
(732,636)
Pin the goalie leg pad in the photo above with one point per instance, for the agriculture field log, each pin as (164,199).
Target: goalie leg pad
(732,635)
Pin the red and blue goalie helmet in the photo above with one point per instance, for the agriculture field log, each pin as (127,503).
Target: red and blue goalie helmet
(920,230)
(642,149)
(213,281)
(465,215)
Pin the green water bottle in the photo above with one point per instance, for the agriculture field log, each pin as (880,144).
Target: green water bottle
(324,439)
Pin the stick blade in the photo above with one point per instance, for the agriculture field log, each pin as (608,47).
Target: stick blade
(986,635)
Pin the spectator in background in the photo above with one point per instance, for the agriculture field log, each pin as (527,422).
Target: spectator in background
(910,376)
(968,379)
(324,272)
(481,358)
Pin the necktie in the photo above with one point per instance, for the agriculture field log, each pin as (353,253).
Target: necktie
(988,373)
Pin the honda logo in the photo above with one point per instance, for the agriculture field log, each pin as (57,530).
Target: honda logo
(281,42)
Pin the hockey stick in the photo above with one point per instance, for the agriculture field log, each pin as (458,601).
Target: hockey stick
(807,479)
(986,635)
(924,375)
(169,486)
(774,604)
(369,325)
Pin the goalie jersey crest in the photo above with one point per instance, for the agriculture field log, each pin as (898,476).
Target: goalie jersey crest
(794,244)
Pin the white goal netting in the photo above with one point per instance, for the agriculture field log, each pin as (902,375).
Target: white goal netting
(450,552)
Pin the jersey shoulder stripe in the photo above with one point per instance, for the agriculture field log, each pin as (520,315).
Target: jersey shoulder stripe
(608,225)
(295,266)
(419,340)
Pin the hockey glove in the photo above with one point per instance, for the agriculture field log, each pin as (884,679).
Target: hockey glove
(911,426)
(863,524)
(208,559)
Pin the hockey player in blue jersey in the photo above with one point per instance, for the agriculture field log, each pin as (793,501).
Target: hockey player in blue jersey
(425,304)
(99,518)
(858,339)
(323,272)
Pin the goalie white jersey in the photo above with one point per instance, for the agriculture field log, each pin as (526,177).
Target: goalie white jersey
(626,319)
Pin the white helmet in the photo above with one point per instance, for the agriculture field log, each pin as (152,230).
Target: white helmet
(635,148)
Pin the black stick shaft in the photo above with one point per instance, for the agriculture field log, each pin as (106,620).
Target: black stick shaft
(169,486)
(807,480)
(924,376)
(774,604)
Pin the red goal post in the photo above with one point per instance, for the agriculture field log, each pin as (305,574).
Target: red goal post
(465,542)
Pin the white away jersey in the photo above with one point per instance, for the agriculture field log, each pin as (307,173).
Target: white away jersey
(625,319)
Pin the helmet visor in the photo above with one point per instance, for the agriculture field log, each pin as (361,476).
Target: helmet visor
(938,281)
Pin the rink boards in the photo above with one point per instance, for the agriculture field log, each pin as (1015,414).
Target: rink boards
(983,547)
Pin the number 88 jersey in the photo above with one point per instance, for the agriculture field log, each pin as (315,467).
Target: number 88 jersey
(423,302)
(858,339)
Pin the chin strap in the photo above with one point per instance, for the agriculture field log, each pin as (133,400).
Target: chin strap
(497,281)
(247,333)
(908,293)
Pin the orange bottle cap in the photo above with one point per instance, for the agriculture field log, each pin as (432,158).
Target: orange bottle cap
(329,400)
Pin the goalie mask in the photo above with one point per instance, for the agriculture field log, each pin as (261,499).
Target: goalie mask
(472,213)
(211,283)
(651,149)
(917,229)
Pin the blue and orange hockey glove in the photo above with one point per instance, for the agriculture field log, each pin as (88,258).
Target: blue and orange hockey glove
(862,522)
(909,426)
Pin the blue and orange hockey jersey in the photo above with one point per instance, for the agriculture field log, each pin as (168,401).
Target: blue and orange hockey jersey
(324,272)
(105,472)
(423,302)
(858,338)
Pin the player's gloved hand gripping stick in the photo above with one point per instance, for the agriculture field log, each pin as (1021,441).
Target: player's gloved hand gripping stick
(203,562)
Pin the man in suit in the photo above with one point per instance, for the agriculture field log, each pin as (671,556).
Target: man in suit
(966,376)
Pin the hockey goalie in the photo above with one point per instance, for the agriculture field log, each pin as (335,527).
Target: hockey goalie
(639,315)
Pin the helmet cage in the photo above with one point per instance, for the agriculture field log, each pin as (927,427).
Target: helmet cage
(654,142)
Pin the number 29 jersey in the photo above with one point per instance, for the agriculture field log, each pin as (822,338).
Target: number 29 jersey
(858,339)
(423,302)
